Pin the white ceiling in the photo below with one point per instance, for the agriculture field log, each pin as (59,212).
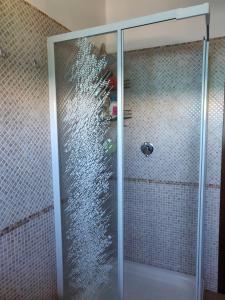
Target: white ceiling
(77,14)
(117,10)
(73,14)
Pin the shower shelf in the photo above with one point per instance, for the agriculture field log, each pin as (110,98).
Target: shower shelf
(115,119)
(112,80)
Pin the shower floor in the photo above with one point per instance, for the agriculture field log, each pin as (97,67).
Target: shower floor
(143,282)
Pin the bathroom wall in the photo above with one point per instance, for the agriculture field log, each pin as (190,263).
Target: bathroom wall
(27,245)
(161,191)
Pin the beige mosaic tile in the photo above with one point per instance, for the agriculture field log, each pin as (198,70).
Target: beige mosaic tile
(25,154)
(27,244)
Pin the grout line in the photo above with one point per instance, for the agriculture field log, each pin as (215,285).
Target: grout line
(18,224)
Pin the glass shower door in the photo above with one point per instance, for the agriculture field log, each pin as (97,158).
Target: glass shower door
(87,120)
(163,143)
(86,91)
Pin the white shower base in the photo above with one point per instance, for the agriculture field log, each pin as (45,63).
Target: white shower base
(142,282)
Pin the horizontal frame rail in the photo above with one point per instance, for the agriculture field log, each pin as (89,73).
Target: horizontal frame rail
(175,14)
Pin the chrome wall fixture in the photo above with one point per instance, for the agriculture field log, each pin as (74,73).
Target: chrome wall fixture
(147,148)
(118,28)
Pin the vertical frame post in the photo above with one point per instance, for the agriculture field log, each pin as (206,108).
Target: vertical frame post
(55,167)
(202,171)
(120,176)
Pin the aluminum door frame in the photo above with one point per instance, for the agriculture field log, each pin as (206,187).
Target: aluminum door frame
(118,28)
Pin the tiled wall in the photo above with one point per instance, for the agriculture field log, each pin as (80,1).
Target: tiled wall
(28,260)
(161,191)
(27,248)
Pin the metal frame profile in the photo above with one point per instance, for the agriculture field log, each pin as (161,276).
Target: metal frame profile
(118,28)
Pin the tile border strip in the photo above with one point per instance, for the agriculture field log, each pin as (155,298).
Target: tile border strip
(168,182)
(45,210)
(26,220)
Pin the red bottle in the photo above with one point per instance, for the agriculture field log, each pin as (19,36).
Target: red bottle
(113,82)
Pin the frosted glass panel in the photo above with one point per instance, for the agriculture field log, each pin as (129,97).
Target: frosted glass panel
(87,114)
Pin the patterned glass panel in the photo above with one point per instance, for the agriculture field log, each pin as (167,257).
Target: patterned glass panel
(86,103)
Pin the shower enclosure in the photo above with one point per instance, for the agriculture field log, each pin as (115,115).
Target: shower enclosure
(104,163)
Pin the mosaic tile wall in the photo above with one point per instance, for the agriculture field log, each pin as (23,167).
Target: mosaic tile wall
(161,190)
(27,256)
(28,261)
(164,80)
(160,204)
(161,229)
